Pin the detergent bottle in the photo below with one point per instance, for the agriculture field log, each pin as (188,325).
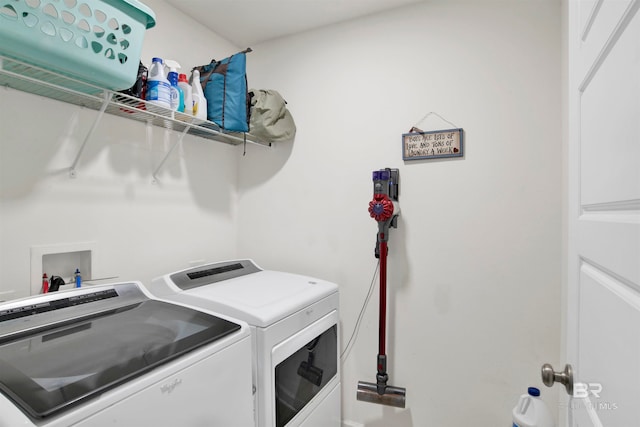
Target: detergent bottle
(77,278)
(187,91)
(531,411)
(158,87)
(199,101)
(177,95)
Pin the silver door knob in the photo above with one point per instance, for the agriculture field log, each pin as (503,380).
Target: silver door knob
(549,377)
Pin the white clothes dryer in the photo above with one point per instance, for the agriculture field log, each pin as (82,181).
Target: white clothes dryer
(113,355)
(294,330)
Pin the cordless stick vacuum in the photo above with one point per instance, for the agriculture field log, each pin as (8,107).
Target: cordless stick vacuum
(385,210)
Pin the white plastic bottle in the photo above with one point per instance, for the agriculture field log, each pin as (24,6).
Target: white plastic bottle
(187,91)
(199,101)
(531,411)
(158,87)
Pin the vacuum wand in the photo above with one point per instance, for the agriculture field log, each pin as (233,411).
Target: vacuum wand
(382,376)
(382,322)
(385,210)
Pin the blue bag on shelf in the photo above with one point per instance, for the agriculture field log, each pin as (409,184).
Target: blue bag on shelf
(225,86)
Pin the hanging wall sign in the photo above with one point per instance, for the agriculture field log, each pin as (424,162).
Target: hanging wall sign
(432,145)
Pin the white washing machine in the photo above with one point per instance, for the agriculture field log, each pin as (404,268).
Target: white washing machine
(294,331)
(113,355)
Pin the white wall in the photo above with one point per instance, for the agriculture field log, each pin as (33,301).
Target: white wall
(140,230)
(475,265)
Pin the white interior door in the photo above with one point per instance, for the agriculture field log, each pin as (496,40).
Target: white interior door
(603,318)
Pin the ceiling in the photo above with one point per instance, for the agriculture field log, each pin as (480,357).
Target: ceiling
(247,22)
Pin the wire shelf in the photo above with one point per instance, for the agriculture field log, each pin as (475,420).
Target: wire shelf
(28,78)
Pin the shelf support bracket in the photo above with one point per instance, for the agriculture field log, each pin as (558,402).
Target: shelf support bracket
(107,94)
(168,153)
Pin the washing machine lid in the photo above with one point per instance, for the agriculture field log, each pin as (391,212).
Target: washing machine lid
(242,290)
(62,348)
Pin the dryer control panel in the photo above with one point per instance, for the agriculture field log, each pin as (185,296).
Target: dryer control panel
(208,274)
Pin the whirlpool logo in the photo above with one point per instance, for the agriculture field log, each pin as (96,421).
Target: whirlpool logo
(170,386)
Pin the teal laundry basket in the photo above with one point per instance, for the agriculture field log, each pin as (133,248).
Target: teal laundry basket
(95,41)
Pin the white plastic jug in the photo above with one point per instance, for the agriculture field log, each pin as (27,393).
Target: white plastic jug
(158,87)
(531,411)
(199,100)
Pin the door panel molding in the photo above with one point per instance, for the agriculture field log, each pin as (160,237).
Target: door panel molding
(590,20)
(612,246)
(617,32)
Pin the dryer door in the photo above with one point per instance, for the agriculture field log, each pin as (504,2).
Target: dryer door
(58,365)
(305,365)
